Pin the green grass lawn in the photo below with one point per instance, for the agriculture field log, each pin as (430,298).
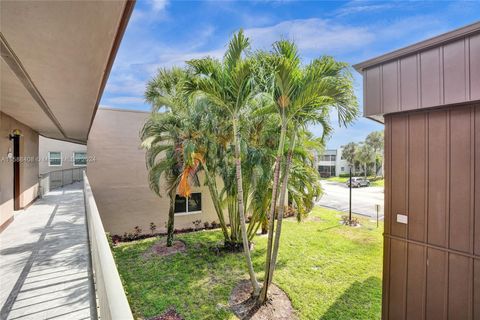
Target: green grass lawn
(328,270)
(374,182)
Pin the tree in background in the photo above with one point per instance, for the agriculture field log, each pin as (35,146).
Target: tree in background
(365,156)
(375,141)
(350,154)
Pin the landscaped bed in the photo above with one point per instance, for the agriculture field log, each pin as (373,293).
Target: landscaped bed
(329,271)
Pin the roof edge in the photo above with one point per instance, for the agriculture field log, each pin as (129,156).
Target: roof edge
(122,26)
(422,45)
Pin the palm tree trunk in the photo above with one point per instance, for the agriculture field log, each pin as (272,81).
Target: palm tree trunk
(281,211)
(246,247)
(212,186)
(271,216)
(171,219)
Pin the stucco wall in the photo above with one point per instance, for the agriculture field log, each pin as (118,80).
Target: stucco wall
(28,168)
(118,177)
(66,148)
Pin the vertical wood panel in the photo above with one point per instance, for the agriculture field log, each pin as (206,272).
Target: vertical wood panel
(475,67)
(430,77)
(416,282)
(477,181)
(372,93)
(397,280)
(390,87)
(476,290)
(409,83)
(440,151)
(460,156)
(437,178)
(398,173)
(454,72)
(416,183)
(459,287)
(436,284)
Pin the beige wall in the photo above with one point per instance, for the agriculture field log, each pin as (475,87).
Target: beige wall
(118,177)
(28,169)
(66,148)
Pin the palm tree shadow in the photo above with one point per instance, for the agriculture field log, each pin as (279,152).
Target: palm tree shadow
(359,301)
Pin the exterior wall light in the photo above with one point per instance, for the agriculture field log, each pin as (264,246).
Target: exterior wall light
(15,133)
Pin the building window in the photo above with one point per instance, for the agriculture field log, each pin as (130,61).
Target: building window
(343,169)
(192,206)
(79,158)
(333,158)
(55,159)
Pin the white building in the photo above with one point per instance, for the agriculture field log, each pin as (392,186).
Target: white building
(331,163)
(55,155)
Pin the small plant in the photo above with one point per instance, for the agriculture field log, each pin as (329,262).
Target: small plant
(196,223)
(153,227)
(206,225)
(352,223)
(214,224)
(137,231)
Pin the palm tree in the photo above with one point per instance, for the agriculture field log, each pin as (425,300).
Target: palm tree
(228,85)
(375,141)
(164,161)
(303,96)
(163,137)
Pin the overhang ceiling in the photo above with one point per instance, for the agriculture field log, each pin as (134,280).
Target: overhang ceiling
(56,58)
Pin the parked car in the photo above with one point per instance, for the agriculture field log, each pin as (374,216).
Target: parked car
(358,182)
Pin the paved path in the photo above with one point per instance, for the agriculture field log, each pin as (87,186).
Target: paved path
(44,268)
(336,196)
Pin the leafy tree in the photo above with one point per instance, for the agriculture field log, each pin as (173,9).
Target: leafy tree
(375,141)
(350,154)
(365,156)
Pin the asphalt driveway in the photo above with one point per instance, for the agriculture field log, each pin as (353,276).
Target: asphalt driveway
(336,196)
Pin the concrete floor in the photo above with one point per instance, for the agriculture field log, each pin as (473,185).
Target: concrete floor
(336,196)
(44,266)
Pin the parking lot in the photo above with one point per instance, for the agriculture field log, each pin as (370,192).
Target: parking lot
(336,196)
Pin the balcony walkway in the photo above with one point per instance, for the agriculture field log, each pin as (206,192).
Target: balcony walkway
(44,266)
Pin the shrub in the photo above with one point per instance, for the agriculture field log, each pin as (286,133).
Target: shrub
(153,227)
(206,225)
(196,223)
(352,223)
(137,231)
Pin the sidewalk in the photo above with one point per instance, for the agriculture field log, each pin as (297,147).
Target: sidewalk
(44,266)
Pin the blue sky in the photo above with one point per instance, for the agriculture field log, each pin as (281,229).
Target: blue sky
(166,33)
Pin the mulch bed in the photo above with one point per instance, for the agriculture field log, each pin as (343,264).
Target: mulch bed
(170,314)
(160,249)
(277,307)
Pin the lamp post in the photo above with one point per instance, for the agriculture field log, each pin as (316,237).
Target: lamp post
(350,202)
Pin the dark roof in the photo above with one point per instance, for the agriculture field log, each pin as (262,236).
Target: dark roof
(420,46)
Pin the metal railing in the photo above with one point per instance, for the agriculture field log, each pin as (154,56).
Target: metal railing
(111,299)
(59,178)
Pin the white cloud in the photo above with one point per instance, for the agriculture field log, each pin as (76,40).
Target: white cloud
(159,5)
(313,35)
(124,100)
(354,7)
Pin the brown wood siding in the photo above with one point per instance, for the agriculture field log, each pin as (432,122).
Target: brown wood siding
(432,168)
(446,74)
